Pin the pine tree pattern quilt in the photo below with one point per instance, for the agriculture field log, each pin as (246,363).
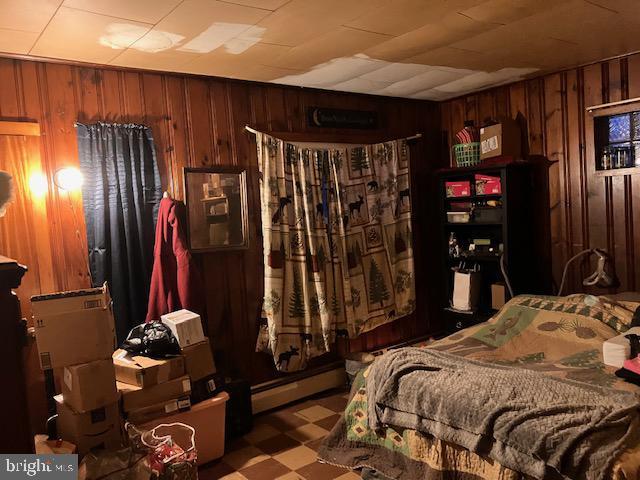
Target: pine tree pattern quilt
(556,336)
(337,238)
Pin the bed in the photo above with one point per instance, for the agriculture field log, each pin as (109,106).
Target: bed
(556,336)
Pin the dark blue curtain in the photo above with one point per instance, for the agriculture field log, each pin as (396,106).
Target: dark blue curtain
(120,195)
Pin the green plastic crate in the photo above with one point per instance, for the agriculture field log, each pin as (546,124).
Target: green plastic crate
(467,154)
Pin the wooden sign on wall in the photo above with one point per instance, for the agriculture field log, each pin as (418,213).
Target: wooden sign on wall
(340,118)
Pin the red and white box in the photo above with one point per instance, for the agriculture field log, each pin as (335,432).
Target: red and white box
(458,189)
(487,185)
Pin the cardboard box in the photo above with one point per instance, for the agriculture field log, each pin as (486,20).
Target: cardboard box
(498,295)
(90,385)
(73,327)
(198,360)
(134,397)
(44,446)
(186,326)
(145,371)
(502,139)
(208,420)
(487,185)
(158,410)
(458,189)
(94,430)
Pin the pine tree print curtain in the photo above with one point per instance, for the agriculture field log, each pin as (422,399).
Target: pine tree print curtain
(338,252)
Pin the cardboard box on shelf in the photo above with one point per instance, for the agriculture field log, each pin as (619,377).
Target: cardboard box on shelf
(73,327)
(158,410)
(208,420)
(487,184)
(144,371)
(501,139)
(88,386)
(458,189)
(134,397)
(186,326)
(198,360)
(97,429)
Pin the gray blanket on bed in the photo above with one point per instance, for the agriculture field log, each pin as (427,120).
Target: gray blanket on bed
(527,421)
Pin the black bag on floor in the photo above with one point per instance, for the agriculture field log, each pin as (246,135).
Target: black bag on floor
(239,415)
(206,388)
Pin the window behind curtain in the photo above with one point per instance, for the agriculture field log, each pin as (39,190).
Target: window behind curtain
(120,195)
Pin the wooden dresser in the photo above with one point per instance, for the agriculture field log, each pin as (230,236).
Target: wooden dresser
(14,417)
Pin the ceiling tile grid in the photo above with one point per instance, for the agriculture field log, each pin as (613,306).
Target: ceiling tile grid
(423,49)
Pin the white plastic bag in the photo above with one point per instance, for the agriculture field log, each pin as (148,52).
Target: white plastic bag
(466,289)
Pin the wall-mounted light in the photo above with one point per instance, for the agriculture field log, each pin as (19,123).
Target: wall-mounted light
(69,179)
(38,184)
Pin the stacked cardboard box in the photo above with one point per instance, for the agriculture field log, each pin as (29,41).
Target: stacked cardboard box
(75,332)
(198,357)
(154,388)
(151,388)
(207,414)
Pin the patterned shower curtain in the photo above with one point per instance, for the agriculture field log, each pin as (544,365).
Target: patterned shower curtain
(338,250)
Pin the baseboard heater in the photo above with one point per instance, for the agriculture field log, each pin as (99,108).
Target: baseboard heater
(279,392)
(276,393)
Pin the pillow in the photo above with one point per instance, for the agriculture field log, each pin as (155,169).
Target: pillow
(625,297)
(624,309)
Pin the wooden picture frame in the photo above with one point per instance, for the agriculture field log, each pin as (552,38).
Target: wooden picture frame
(216,204)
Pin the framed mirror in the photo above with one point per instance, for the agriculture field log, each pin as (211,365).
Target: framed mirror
(216,200)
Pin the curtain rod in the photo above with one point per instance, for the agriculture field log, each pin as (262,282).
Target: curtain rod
(254,131)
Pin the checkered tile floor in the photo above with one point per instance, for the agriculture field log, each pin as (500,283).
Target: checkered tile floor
(282,445)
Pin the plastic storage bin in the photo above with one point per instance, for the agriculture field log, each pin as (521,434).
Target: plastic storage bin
(467,154)
(207,418)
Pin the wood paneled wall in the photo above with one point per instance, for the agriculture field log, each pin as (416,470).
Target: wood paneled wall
(198,121)
(586,211)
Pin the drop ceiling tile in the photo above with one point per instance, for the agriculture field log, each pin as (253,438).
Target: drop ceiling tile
(570,20)
(391,72)
(88,37)
(361,85)
(27,15)
(301,20)
(427,80)
(432,94)
(265,4)
(237,64)
(205,25)
(147,11)
(222,64)
(402,16)
(458,59)
(482,80)
(335,71)
(619,6)
(453,28)
(508,11)
(16,41)
(339,42)
(171,61)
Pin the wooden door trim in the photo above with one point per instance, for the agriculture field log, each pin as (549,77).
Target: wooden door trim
(30,129)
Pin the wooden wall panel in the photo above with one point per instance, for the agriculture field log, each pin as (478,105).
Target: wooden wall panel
(198,121)
(585,210)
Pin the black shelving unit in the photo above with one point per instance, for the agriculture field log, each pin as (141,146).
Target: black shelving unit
(514,231)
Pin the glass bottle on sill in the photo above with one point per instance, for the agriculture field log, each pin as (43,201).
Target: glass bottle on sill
(606,159)
(621,157)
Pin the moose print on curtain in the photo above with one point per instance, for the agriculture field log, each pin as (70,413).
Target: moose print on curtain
(338,251)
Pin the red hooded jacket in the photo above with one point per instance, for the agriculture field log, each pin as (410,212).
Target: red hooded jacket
(175,281)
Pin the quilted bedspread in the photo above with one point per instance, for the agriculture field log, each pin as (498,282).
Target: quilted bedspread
(558,336)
